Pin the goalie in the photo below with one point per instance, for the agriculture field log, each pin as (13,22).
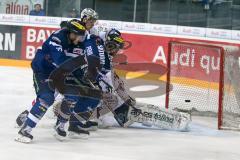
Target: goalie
(124,108)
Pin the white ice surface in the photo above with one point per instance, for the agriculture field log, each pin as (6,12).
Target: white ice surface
(203,142)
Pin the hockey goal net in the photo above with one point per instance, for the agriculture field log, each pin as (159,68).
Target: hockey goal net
(205,79)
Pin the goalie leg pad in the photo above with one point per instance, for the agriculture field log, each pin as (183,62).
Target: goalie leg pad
(151,115)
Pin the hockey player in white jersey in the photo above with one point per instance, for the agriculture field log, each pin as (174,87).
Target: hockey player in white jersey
(89,17)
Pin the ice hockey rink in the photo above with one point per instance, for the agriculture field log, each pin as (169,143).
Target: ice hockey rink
(202,142)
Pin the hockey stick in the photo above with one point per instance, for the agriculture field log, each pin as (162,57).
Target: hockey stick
(109,107)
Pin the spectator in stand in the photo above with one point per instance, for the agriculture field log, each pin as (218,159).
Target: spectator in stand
(73,13)
(37,11)
(206,4)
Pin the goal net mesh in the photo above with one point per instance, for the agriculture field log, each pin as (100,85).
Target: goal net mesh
(204,79)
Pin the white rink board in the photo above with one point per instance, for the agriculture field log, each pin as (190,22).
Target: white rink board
(16,93)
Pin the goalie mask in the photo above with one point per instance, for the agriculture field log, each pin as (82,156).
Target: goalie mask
(114,42)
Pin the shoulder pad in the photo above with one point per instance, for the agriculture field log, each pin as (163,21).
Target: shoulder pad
(59,35)
(56,39)
(97,39)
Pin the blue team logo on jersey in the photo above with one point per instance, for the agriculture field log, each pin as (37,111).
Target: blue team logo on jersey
(89,50)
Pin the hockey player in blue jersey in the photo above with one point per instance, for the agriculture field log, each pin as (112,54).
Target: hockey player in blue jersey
(99,55)
(89,17)
(59,47)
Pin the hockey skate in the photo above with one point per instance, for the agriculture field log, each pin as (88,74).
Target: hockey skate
(21,118)
(60,133)
(76,131)
(24,135)
(77,119)
(89,126)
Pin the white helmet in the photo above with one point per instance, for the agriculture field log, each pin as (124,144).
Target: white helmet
(89,13)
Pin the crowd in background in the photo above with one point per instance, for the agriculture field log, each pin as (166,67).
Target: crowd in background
(223,14)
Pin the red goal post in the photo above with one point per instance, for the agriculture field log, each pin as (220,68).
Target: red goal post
(200,78)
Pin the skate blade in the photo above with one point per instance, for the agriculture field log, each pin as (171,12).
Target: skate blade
(104,127)
(94,128)
(60,138)
(23,139)
(73,135)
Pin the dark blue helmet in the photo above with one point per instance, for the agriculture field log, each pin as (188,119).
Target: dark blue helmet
(114,41)
(76,26)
